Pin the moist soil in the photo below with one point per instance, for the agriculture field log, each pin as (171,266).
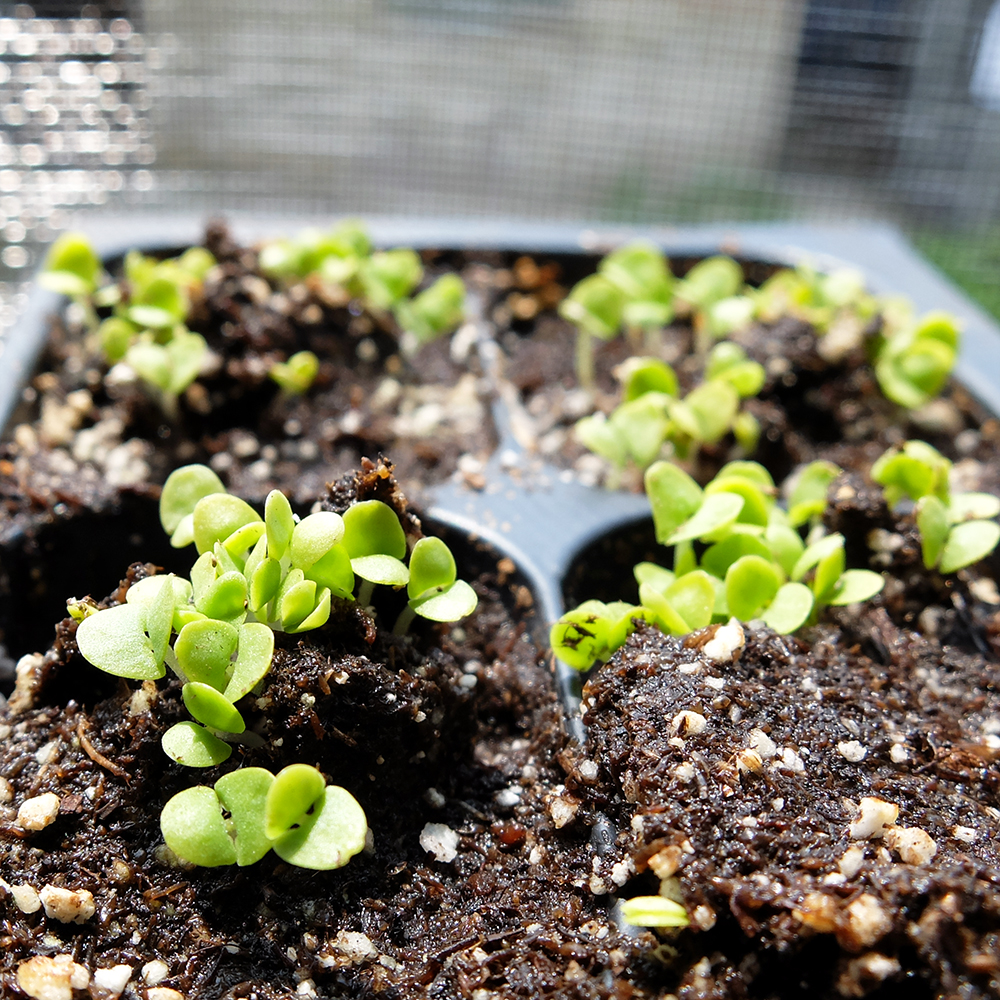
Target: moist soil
(499,846)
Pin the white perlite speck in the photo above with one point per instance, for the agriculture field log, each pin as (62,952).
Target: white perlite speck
(25,897)
(874,817)
(154,972)
(563,809)
(689,723)
(898,754)
(113,980)
(39,812)
(68,906)
(55,978)
(913,845)
(964,833)
(726,644)
(440,840)
(762,743)
(852,751)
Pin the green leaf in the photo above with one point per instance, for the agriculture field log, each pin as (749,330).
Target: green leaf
(431,565)
(372,528)
(790,608)
(116,336)
(280,523)
(437,310)
(973,507)
(581,636)
(182,491)
(265,582)
(241,541)
(641,375)
(828,573)
(654,575)
(654,911)
(296,602)
(642,425)
(819,550)
(692,596)
(722,555)
(939,326)
(756,504)
(217,516)
(330,836)
(446,603)
(661,612)
(253,660)
(673,495)
(186,352)
(751,585)
(640,271)
(195,262)
(193,828)
(194,746)
(243,793)
(967,543)
(297,374)
(314,536)
(381,569)
(595,305)
(202,574)
(390,276)
(807,499)
(226,598)
(785,544)
(204,651)
(856,585)
(716,513)
(71,257)
(151,363)
(317,617)
(710,280)
(729,315)
(295,790)
(160,303)
(158,596)
(334,572)
(932,523)
(713,407)
(115,641)
(599,435)
(211,707)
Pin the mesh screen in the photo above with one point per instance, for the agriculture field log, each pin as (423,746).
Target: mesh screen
(633,111)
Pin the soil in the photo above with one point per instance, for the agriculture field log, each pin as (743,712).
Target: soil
(500,846)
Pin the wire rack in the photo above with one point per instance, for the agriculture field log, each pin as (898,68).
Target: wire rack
(633,111)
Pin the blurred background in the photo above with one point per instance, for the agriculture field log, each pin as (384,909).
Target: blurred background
(635,111)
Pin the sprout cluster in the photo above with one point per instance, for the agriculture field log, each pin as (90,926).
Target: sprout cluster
(914,359)
(254,576)
(149,310)
(956,530)
(736,553)
(653,419)
(295,813)
(381,281)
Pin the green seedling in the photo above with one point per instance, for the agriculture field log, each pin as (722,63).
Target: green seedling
(435,312)
(821,299)
(755,588)
(376,544)
(832,584)
(295,813)
(388,277)
(72,269)
(335,256)
(433,589)
(913,364)
(709,281)
(955,531)
(679,606)
(808,490)
(654,911)
(642,274)
(592,632)
(297,374)
(595,306)
(728,362)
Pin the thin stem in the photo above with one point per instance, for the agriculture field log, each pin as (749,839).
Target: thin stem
(633,334)
(654,340)
(584,359)
(403,621)
(365,593)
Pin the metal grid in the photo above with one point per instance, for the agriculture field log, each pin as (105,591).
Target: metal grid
(635,111)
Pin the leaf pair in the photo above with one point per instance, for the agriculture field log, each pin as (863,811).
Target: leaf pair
(592,632)
(913,364)
(295,813)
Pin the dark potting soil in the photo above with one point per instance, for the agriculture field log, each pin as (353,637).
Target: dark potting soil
(498,844)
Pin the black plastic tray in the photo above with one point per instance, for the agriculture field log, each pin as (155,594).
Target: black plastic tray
(528,510)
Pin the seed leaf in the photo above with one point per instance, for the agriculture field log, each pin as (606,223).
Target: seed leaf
(296,789)
(654,911)
(790,608)
(973,506)
(932,522)
(967,543)
(334,572)
(317,617)
(226,598)
(716,513)
(280,523)
(372,528)
(431,565)
(193,828)
(856,585)
(204,650)
(211,708)
(194,746)
(692,596)
(253,660)
(242,793)
(673,495)
(751,585)
(654,575)
(381,569)
(454,601)
(330,837)
(115,641)
(314,536)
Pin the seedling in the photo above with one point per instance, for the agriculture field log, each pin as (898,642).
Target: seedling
(831,582)
(388,277)
(592,632)
(654,911)
(297,374)
(642,274)
(955,531)
(808,490)
(435,312)
(334,256)
(72,269)
(913,364)
(295,813)
(595,306)
(434,590)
